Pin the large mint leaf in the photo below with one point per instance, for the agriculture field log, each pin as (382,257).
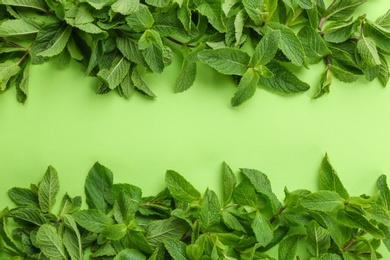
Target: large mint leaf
(343,75)
(262,229)
(125,7)
(210,211)
(34,4)
(17,28)
(227,61)
(313,44)
(114,232)
(323,201)
(98,182)
(160,230)
(128,253)
(384,190)
(152,50)
(379,34)
(246,87)
(213,11)
(5,236)
(284,80)
(340,31)
(140,84)
(48,189)
(23,197)
(262,185)
(8,69)
(180,188)
(72,239)
(50,242)
(186,76)
(288,247)
(342,9)
(27,214)
(176,249)
(289,43)
(318,239)
(266,49)
(141,19)
(93,220)
(229,183)
(368,52)
(126,205)
(356,220)
(116,73)
(129,48)
(56,45)
(329,180)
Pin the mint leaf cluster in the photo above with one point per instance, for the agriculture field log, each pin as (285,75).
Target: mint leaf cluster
(257,42)
(181,223)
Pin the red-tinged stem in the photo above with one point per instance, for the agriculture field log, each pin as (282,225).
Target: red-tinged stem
(327,59)
(274,217)
(24,55)
(298,258)
(322,21)
(350,243)
(13,44)
(179,42)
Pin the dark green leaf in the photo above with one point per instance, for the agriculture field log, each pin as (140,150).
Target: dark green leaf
(340,31)
(262,229)
(48,189)
(23,197)
(288,247)
(246,87)
(227,61)
(326,81)
(176,249)
(98,182)
(329,180)
(368,52)
(313,44)
(180,188)
(355,220)
(210,211)
(213,11)
(69,205)
(140,84)
(8,69)
(266,49)
(72,239)
(343,75)
(93,220)
(342,9)
(50,242)
(229,183)
(33,4)
(262,185)
(384,190)
(141,19)
(128,253)
(114,232)
(284,80)
(27,214)
(116,73)
(318,239)
(323,200)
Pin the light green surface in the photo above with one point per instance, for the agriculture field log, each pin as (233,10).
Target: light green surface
(66,125)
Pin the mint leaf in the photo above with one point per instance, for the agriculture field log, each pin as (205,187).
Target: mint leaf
(129,254)
(8,69)
(114,232)
(176,249)
(98,182)
(284,81)
(116,73)
(355,220)
(368,51)
(152,50)
(343,75)
(5,236)
(50,242)
(72,239)
(289,43)
(313,44)
(187,76)
(245,195)
(262,229)
(329,180)
(342,9)
(69,205)
(126,205)
(229,183)
(318,239)
(340,31)
(384,190)
(227,61)
(231,221)
(56,45)
(125,7)
(180,188)
(323,201)
(326,81)
(212,9)
(140,84)
(27,214)
(210,211)
(93,220)
(259,13)
(262,185)
(266,49)
(33,4)
(140,19)
(288,247)
(18,28)
(384,73)
(48,189)
(129,48)
(23,197)
(246,87)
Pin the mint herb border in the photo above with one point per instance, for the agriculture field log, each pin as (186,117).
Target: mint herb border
(181,223)
(120,41)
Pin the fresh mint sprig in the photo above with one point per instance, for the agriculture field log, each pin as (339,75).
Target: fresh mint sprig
(119,41)
(181,223)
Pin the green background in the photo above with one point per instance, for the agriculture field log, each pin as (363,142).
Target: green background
(66,125)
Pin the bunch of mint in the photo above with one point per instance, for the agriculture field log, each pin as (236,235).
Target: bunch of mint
(120,41)
(182,224)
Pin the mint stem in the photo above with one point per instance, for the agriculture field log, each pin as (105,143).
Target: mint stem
(179,42)
(353,240)
(321,23)
(24,55)
(13,44)
(274,217)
